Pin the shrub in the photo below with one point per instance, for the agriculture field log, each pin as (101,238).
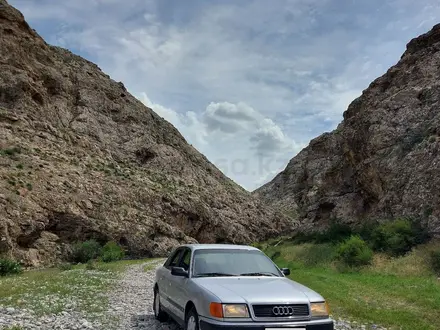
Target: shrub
(85,251)
(273,256)
(11,151)
(9,267)
(398,237)
(91,265)
(317,254)
(366,229)
(335,233)
(112,252)
(354,252)
(256,245)
(65,266)
(302,237)
(435,261)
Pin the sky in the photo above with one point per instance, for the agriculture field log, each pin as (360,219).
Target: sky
(247,82)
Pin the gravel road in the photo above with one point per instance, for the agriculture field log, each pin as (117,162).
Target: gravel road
(135,309)
(130,307)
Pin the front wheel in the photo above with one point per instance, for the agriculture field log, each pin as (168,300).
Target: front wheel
(192,320)
(159,314)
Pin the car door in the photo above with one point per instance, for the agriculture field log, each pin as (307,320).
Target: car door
(164,282)
(178,289)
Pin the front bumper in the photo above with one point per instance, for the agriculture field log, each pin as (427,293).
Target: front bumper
(209,324)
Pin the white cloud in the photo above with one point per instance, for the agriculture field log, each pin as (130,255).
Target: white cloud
(241,141)
(265,137)
(188,124)
(270,140)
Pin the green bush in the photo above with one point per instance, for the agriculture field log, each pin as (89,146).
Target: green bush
(85,251)
(366,229)
(302,237)
(91,265)
(435,261)
(112,252)
(354,252)
(9,267)
(317,255)
(397,237)
(336,232)
(65,266)
(11,151)
(273,256)
(256,245)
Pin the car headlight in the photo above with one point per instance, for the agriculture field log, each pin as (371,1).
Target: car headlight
(235,311)
(228,310)
(320,309)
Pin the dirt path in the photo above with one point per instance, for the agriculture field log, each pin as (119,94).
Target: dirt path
(132,300)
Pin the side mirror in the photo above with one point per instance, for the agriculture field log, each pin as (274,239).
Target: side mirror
(179,271)
(285,271)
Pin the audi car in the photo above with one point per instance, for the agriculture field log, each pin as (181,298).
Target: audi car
(219,286)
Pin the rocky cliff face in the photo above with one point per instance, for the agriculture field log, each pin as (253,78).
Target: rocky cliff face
(383,160)
(81,158)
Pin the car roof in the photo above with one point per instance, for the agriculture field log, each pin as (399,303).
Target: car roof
(219,246)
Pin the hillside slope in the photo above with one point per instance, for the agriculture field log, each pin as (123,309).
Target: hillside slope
(81,158)
(383,160)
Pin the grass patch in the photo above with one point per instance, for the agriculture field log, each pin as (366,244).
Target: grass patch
(64,288)
(50,291)
(399,293)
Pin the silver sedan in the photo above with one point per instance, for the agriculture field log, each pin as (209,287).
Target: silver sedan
(218,286)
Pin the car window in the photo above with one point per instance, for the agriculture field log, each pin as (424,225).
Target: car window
(233,262)
(173,259)
(186,259)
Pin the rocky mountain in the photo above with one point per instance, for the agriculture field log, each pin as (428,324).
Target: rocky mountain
(383,160)
(81,158)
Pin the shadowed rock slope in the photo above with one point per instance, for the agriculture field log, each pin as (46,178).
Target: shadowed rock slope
(383,160)
(81,158)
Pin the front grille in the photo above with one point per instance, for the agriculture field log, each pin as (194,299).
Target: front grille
(281,310)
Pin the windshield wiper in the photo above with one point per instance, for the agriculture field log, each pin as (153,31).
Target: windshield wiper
(259,274)
(214,274)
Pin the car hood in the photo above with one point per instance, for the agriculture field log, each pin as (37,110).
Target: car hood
(254,290)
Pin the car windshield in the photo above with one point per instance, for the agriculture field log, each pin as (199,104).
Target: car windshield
(232,262)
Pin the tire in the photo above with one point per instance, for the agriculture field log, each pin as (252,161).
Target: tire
(192,320)
(159,314)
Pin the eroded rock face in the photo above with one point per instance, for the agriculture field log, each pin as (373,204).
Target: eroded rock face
(81,158)
(382,161)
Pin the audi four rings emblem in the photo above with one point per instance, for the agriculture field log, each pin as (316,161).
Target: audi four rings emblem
(282,310)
